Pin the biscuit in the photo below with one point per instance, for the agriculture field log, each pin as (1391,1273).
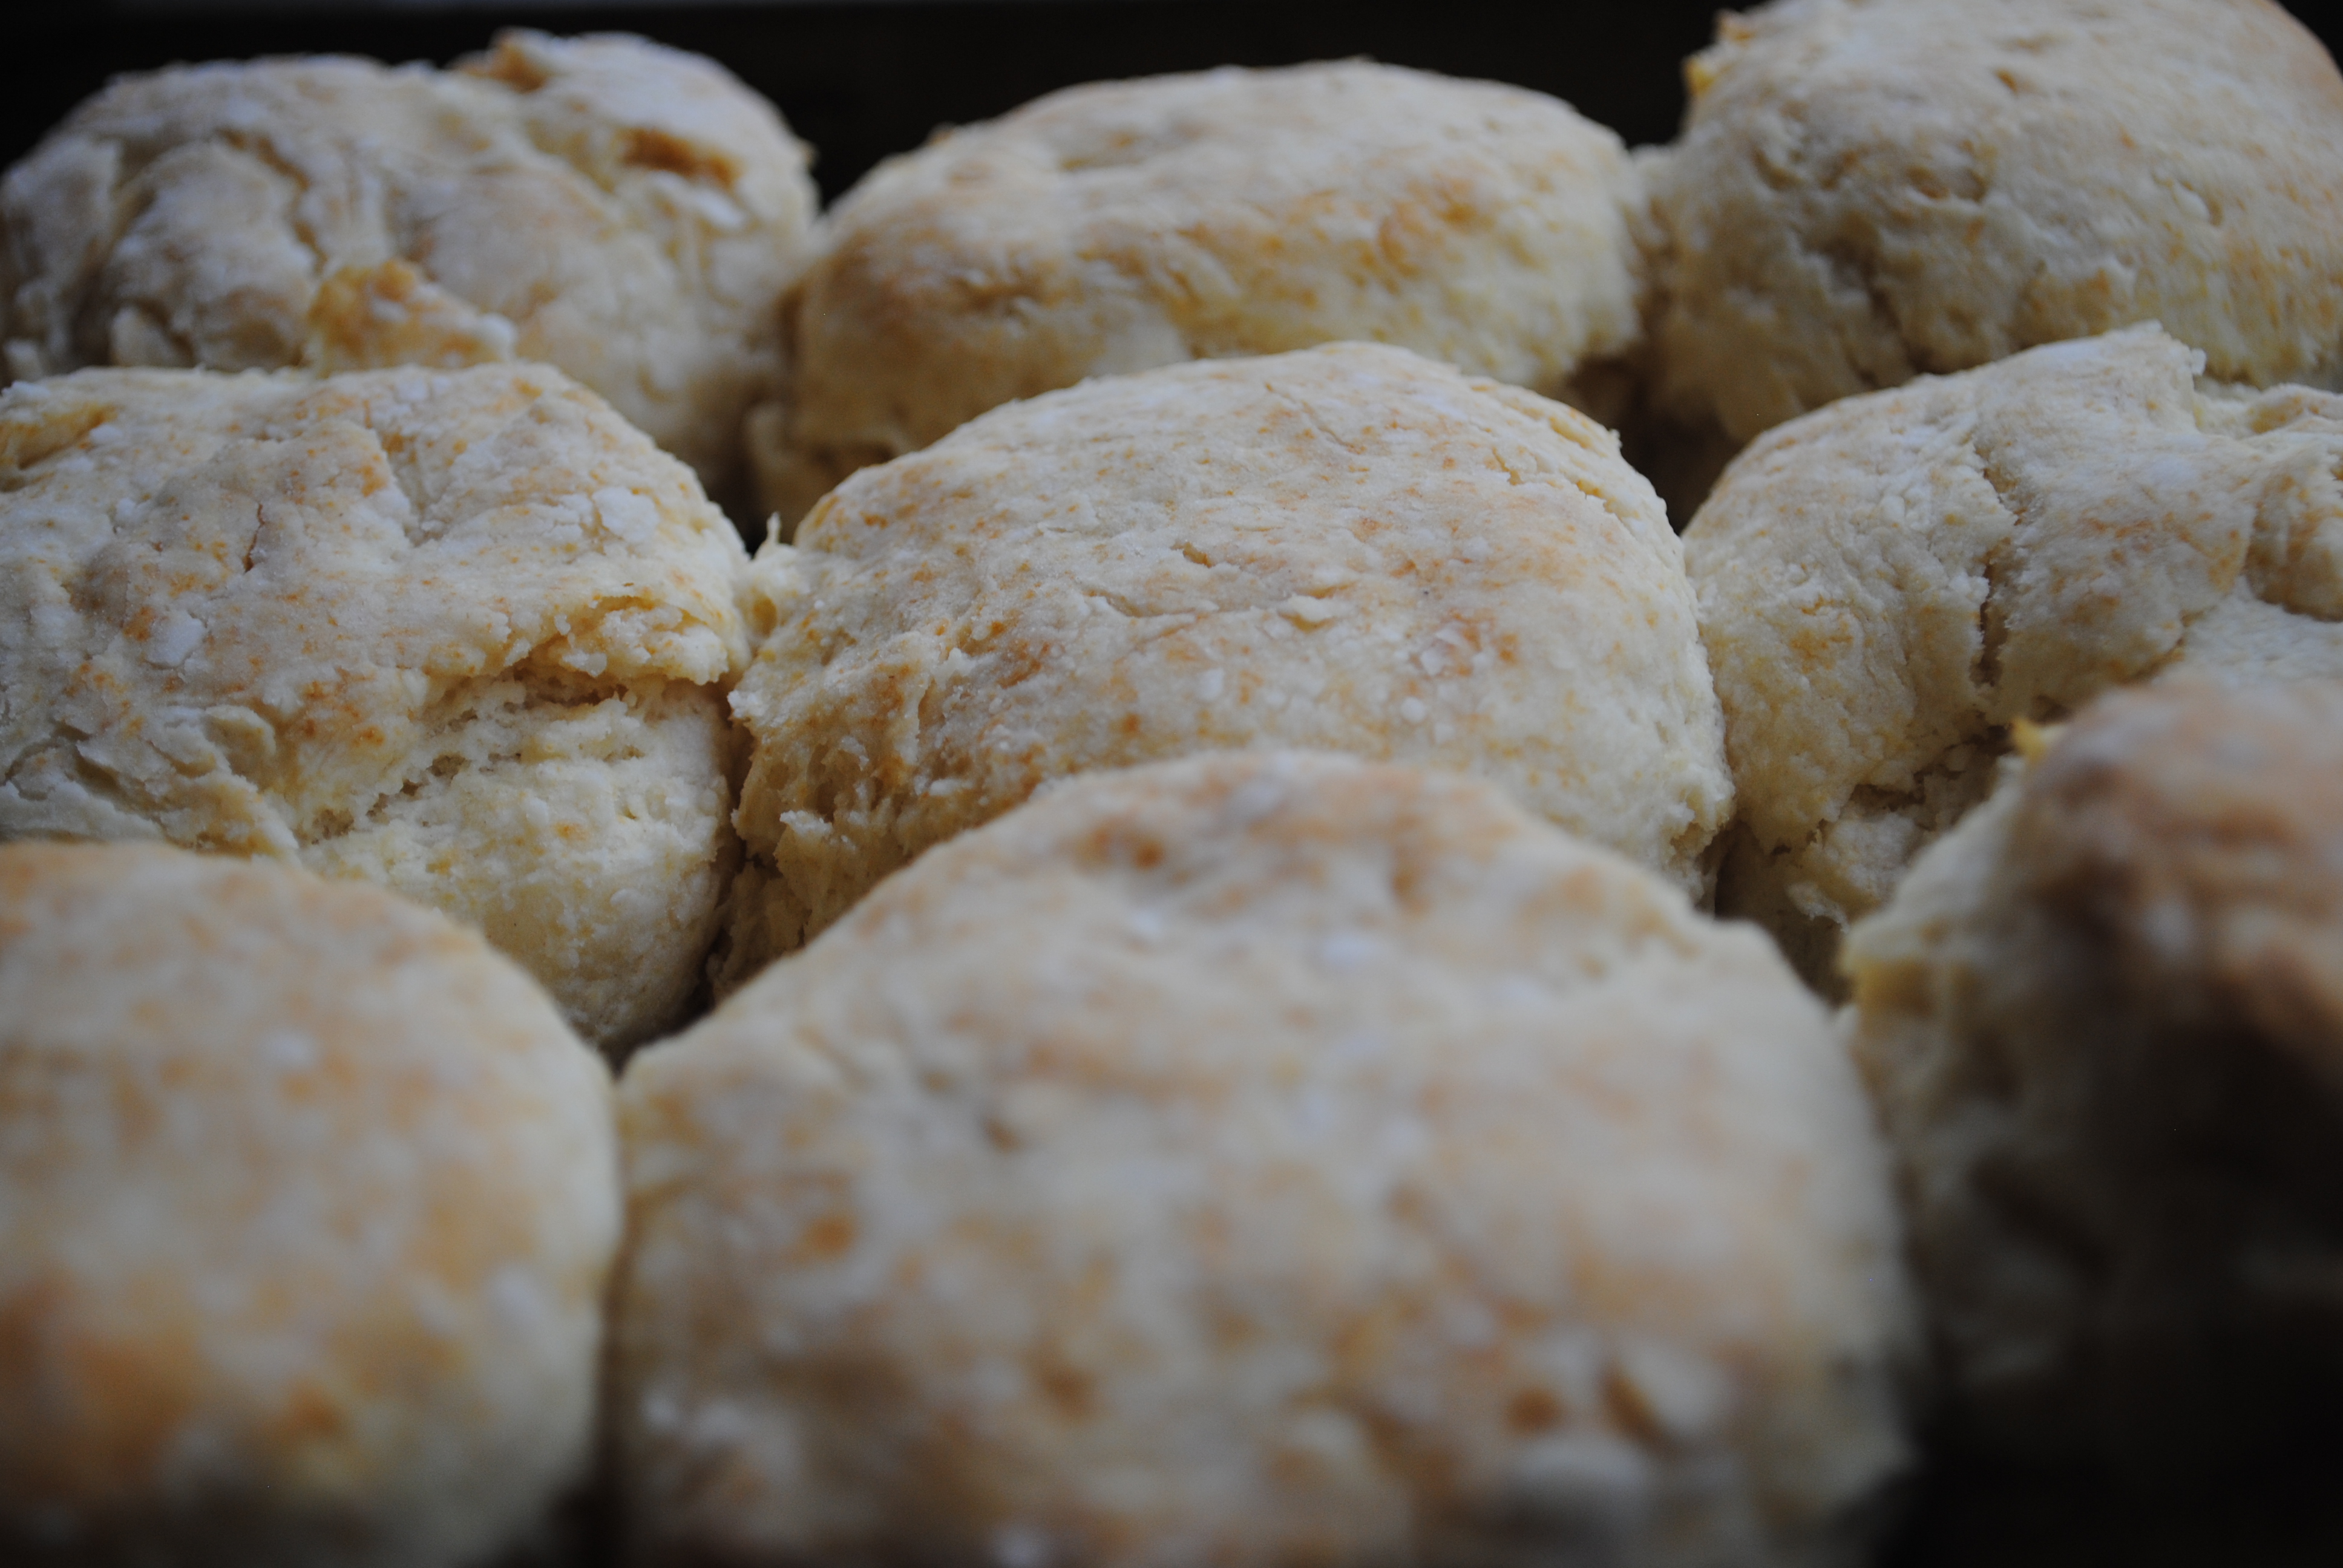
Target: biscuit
(1887,583)
(464,633)
(1259,1158)
(1866,190)
(1347,548)
(626,212)
(308,1203)
(2104,1018)
(1123,225)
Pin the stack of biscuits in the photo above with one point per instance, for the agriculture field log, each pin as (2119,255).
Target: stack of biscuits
(1227,946)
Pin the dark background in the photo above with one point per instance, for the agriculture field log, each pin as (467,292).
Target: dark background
(862,79)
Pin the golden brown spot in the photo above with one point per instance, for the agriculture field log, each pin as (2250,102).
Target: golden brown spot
(1366,1342)
(126,1398)
(1533,1410)
(651,148)
(1068,1389)
(309,1416)
(826,1238)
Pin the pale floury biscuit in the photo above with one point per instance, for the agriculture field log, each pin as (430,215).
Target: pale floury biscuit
(2104,1021)
(463,633)
(625,211)
(1256,1159)
(1348,548)
(1126,225)
(1866,190)
(307,1204)
(1886,584)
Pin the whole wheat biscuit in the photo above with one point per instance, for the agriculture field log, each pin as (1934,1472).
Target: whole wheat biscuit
(308,1201)
(1886,584)
(626,212)
(1123,225)
(1347,548)
(1253,1159)
(2104,1018)
(1866,190)
(463,633)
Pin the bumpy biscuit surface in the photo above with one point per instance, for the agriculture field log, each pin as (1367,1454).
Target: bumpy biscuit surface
(308,1201)
(2104,1021)
(463,633)
(1260,1159)
(1867,190)
(625,211)
(1887,583)
(1127,224)
(1346,548)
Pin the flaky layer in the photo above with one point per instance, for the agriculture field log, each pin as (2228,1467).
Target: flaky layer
(628,212)
(1868,190)
(1126,225)
(1886,584)
(1347,548)
(466,633)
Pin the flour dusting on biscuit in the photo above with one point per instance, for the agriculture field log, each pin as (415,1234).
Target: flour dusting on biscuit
(1120,226)
(1254,1160)
(628,212)
(465,634)
(1347,548)
(1870,190)
(308,1205)
(1887,584)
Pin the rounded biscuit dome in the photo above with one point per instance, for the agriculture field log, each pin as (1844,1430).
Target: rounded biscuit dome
(1260,1159)
(1886,584)
(1349,548)
(307,1204)
(2104,1021)
(1866,190)
(1121,226)
(628,212)
(464,633)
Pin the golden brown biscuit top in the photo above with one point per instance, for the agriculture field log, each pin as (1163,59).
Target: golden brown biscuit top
(628,212)
(1348,548)
(1892,577)
(1256,1158)
(1868,190)
(307,1199)
(1119,225)
(232,603)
